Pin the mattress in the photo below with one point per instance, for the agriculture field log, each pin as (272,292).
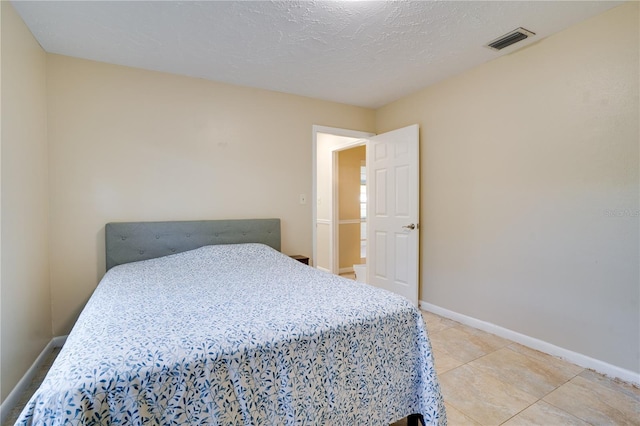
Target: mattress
(239,335)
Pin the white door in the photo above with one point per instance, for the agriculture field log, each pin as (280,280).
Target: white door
(393,211)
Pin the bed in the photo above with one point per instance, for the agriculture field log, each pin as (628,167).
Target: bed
(208,323)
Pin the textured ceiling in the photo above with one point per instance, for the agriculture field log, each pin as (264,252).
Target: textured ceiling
(364,53)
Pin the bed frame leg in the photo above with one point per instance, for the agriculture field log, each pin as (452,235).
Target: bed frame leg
(415,420)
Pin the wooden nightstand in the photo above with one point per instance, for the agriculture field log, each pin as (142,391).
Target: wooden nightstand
(300,258)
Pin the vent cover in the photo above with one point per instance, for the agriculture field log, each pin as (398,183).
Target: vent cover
(510,38)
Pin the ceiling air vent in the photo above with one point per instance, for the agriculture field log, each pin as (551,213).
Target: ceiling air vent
(510,38)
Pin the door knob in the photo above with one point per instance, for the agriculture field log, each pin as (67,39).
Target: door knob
(410,226)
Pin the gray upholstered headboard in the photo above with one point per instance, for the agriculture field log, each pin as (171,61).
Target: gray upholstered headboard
(133,241)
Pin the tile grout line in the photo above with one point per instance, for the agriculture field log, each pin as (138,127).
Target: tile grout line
(503,382)
(577,415)
(519,412)
(541,399)
(560,408)
(565,411)
(463,364)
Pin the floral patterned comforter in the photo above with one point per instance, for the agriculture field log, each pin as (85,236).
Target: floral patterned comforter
(239,335)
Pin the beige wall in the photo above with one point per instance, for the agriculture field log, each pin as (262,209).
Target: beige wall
(529,189)
(128,144)
(349,162)
(24,287)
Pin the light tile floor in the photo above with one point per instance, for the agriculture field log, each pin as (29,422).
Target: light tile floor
(487,380)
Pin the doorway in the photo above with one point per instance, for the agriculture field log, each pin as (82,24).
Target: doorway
(327,143)
(351,227)
(393,199)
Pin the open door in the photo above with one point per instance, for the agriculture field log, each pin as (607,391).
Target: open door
(393,211)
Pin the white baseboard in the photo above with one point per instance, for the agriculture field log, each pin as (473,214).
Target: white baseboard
(537,344)
(14,396)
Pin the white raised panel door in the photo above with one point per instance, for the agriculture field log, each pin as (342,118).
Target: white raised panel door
(393,211)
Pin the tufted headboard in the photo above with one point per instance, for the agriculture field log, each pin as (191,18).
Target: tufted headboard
(133,241)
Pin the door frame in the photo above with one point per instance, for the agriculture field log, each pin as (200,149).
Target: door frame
(358,135)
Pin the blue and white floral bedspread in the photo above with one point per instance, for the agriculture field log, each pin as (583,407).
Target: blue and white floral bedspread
(239,335)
